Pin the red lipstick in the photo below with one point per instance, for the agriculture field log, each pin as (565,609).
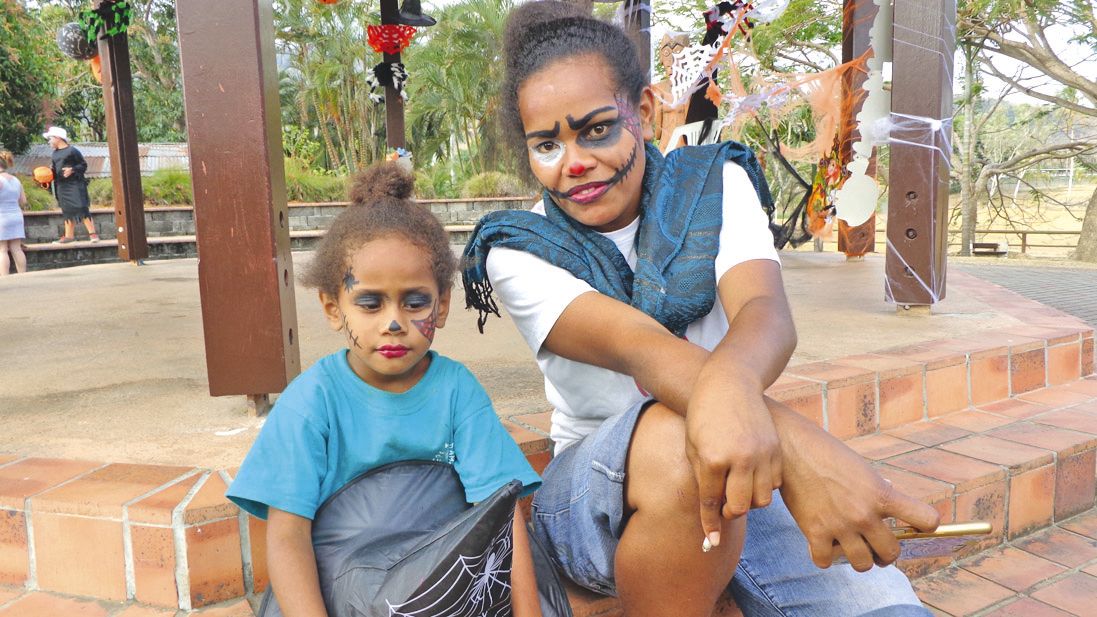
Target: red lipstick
(587,193)
(393,351)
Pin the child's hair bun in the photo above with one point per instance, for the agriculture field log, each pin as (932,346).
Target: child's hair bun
(377,182)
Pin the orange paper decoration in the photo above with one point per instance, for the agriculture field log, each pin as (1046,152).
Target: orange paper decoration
(96,69)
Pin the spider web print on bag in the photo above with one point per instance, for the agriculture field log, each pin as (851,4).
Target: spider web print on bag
(476,586)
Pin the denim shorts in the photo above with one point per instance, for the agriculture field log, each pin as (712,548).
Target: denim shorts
(579,513)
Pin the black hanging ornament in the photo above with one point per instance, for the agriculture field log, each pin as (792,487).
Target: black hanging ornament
(411,14)
(73,42)
(387,75)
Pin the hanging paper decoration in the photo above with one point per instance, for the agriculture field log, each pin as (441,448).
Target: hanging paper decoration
(689,67)
(389,38)
(96,69)
(74,44)
(765,11)
(110,19)
(387,75)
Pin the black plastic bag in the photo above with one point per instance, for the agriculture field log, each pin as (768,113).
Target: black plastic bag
(400,541)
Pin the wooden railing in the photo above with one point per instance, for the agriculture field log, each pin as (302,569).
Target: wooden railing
(1023,234)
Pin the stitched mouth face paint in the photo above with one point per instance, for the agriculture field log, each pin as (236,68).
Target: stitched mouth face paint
(590,192)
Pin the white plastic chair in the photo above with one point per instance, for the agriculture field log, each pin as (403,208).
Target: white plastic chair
(688,135)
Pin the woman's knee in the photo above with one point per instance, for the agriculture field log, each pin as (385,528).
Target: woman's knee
(659,473)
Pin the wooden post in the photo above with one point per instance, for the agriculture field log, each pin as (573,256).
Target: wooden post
(394,104)
(125,167)
(638,22)
(245,272)
(917,233)
(857,19)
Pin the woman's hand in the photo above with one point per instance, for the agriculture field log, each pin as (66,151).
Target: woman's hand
(733,446)
(839,499)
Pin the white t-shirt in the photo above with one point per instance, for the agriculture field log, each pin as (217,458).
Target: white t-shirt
(535,294)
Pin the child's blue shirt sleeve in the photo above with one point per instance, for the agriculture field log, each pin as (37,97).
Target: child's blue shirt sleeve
(285,467)
(487,456)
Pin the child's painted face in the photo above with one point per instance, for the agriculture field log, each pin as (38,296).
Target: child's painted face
(388,308)
(586,140)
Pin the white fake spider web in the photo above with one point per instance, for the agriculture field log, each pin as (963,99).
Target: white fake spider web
(473,586)
(688,68)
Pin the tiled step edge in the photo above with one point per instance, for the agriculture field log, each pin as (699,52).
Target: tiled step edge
(158,535)
(865,394)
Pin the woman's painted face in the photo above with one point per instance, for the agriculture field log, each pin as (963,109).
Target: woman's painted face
(586,140)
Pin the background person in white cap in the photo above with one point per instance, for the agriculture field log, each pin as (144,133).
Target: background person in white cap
(70,187)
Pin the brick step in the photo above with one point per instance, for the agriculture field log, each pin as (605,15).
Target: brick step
(1050,573)
(18,602)
(166,536)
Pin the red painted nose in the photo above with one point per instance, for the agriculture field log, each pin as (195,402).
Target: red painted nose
(576,169)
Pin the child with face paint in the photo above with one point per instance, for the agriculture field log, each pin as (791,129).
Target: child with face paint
(384,271)
(651,295)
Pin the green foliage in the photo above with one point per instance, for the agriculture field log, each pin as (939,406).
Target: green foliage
(455,69)
(26,78)
(297,144)
(303,184)
(438,181)
(801,37)
(494,184)
(101,191)
(38,198)
(168,187)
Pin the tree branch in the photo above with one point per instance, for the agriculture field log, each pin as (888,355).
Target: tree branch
(1056,151)
(1061,102)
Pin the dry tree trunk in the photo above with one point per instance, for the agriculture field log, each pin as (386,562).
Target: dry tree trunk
(1087,241)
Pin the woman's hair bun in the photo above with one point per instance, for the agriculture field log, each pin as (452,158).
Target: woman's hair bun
(380,181)
(525,17)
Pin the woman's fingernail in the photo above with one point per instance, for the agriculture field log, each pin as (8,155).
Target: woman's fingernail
(713,538)
(706,546)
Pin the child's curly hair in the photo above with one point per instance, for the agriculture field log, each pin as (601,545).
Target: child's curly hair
(381,206)
(540,33)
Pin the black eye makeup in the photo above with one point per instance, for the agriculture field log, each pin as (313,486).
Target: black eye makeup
(603,134)
(369,301)
(417,300)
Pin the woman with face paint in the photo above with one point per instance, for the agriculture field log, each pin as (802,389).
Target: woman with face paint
(384,271)
(651,295)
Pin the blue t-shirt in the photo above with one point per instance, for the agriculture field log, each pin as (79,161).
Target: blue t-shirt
(329,426)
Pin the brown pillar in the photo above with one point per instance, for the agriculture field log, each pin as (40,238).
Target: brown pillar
(857,19)
(924,44)
(125,164)
(245,274)
(394,105)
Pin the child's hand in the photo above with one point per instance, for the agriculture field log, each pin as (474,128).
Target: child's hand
(733,447)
